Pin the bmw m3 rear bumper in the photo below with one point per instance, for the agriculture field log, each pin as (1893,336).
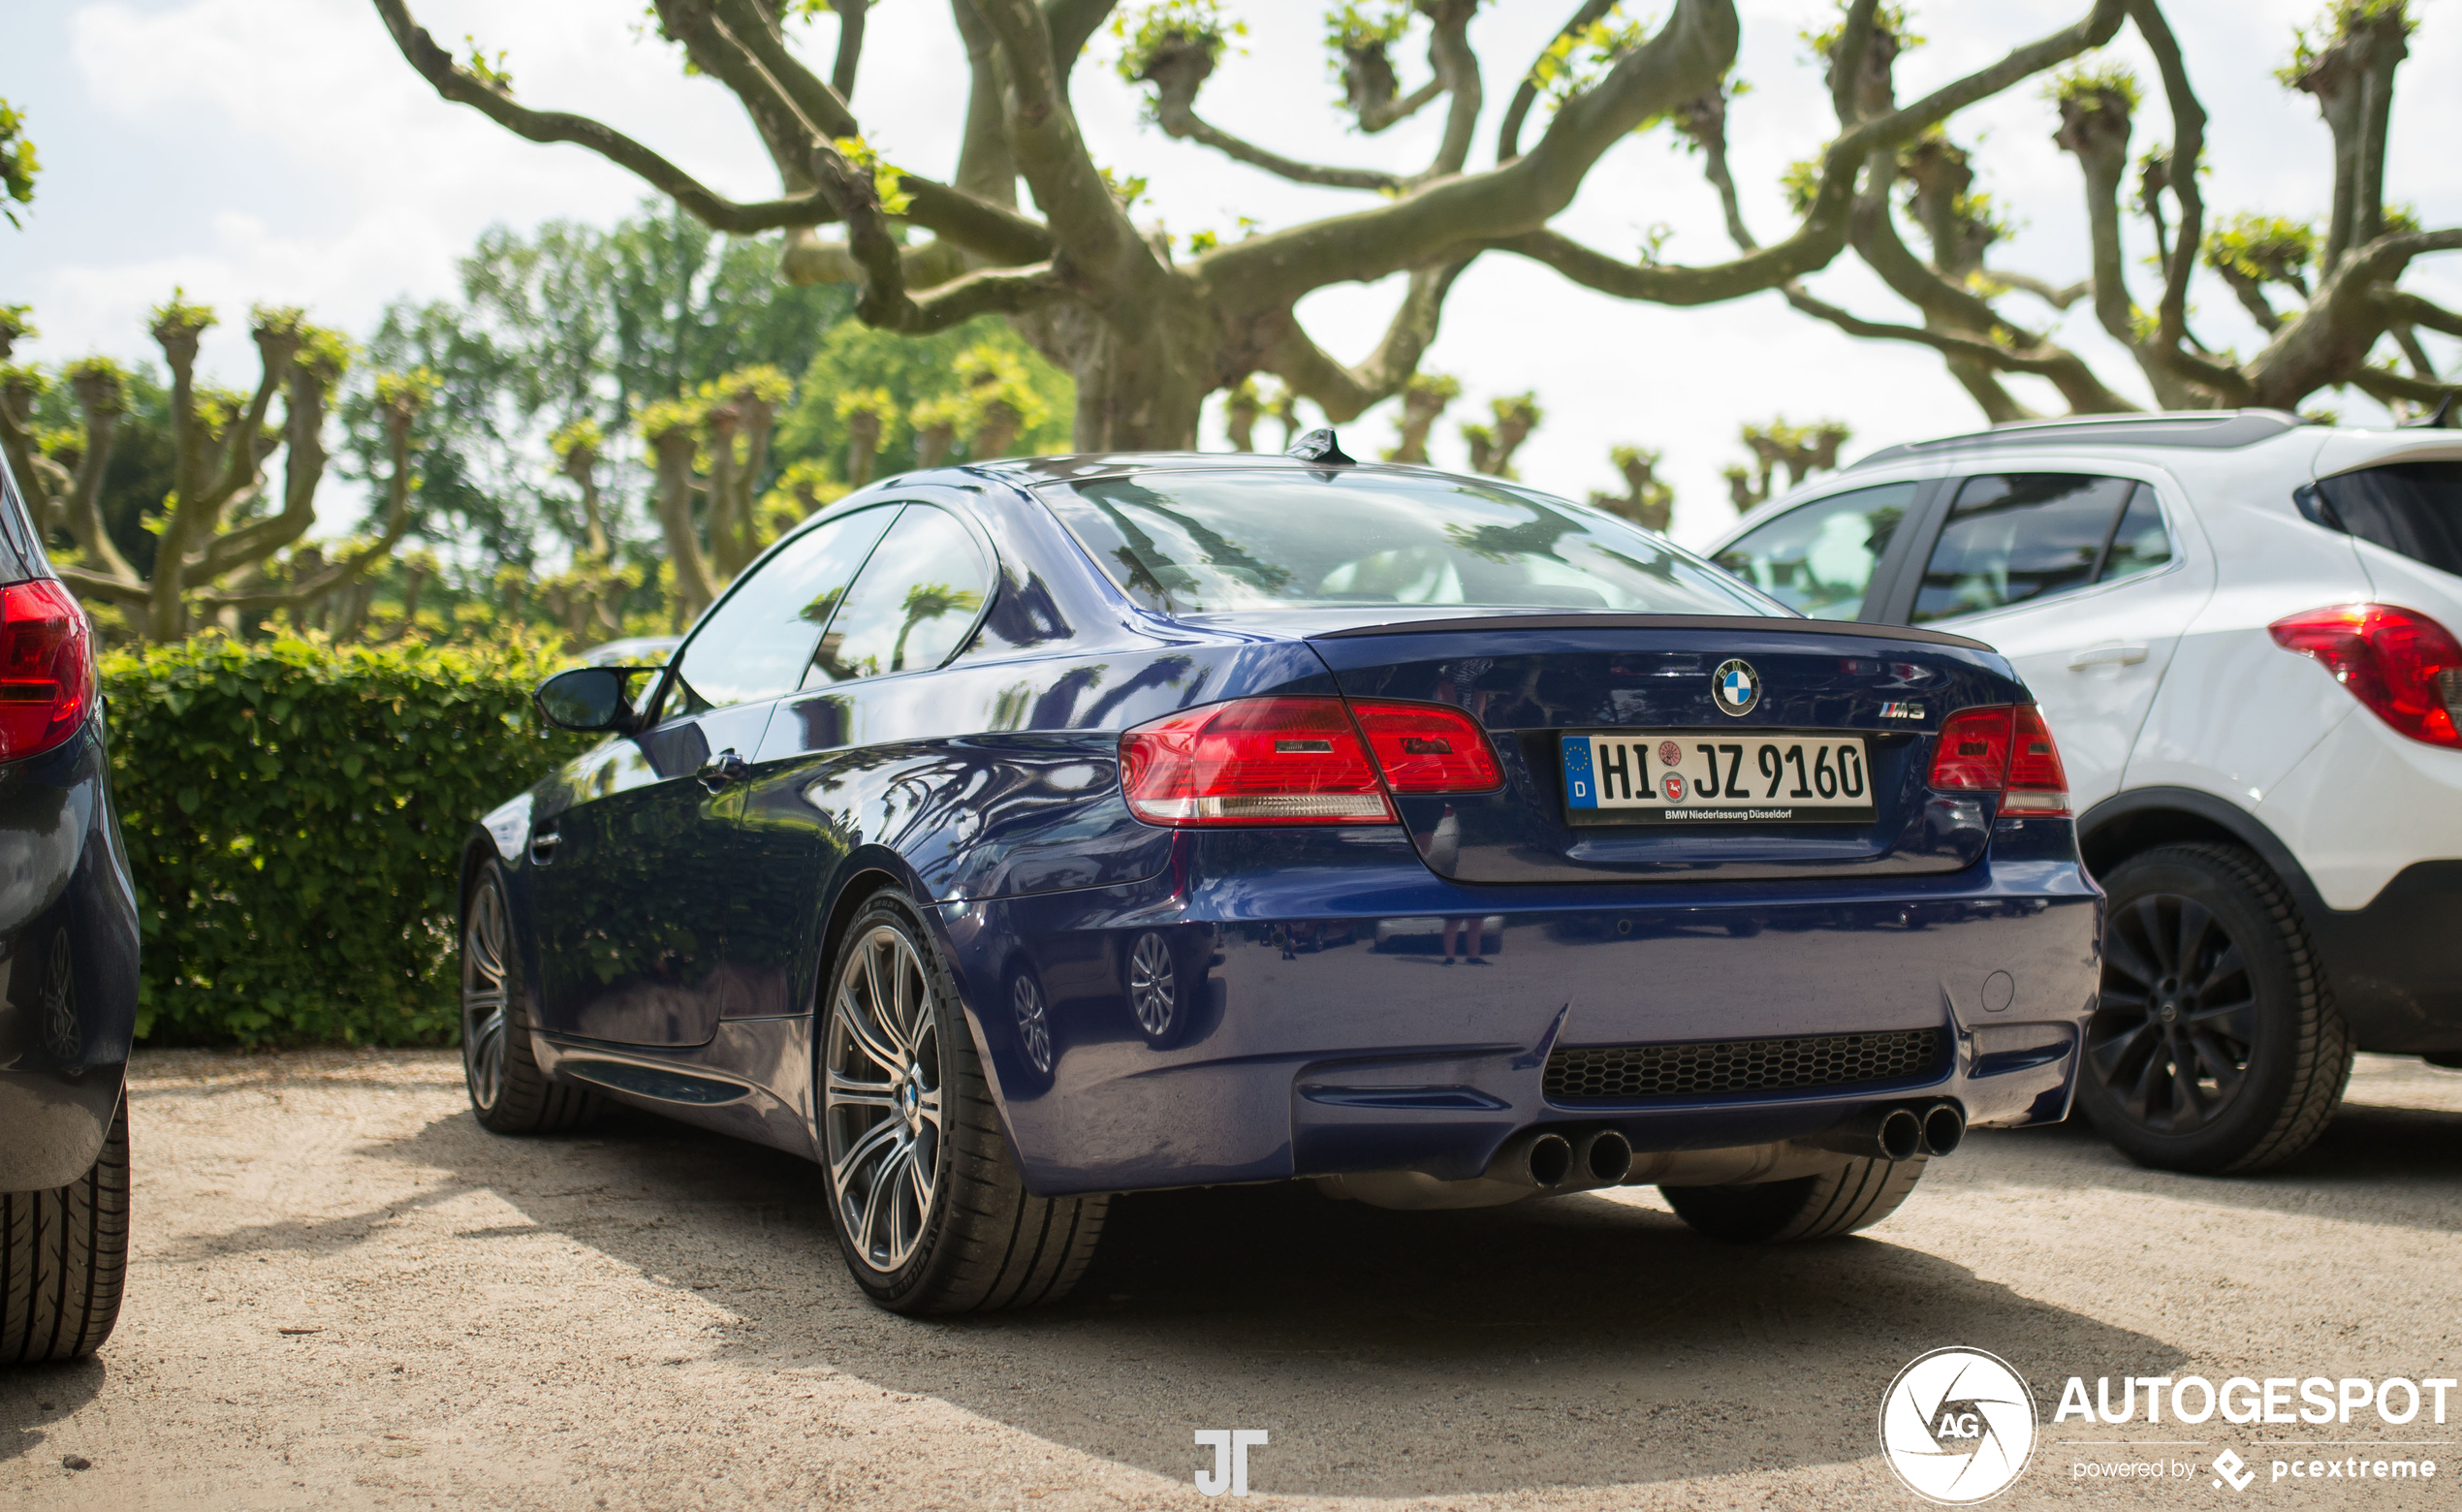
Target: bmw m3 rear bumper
(1223,1024)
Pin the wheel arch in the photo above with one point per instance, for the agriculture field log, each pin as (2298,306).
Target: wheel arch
(2138,819)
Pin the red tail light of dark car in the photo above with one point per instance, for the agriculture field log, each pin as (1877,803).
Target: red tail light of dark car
(2004,748)
(47,667)
(1299,760)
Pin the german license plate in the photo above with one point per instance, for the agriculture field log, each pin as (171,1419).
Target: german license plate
(1716,776)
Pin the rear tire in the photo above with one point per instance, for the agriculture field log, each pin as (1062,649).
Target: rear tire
(508,1091)
(2215,1047)
(64,1259)
(1855,1196)
(930,1212)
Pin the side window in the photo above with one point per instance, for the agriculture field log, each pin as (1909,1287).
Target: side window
(1817,558)
(915,601)
(2013,538)
(2141,544)
(757,642)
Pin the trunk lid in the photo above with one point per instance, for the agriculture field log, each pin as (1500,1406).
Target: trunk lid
(1531,679)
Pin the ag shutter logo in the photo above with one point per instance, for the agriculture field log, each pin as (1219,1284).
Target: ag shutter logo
(1735,688)
(1957,1426)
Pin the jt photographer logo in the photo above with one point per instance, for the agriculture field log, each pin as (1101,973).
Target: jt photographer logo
(1231,1446)
(1957,1426)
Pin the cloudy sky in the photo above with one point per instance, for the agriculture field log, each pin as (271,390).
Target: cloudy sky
(281,151)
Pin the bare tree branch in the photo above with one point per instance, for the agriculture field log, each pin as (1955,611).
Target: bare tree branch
(2065,368)
(2188,154)
(822,105)
(1506,207)
(721,213)
(985,168)
(2413,310)
(1508,137)
(1072,23)
(94,585)
(1179,72)
(884,301)
(850,45)
(1457,68)
(718,50)
(2059,297)
(1086,221)
(1343,392)
(2382,386)
(1847,61)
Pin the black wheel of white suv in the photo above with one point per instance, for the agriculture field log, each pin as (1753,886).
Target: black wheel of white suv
(2214,1046)
(930,1210)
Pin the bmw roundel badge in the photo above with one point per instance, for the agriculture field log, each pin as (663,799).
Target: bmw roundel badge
(1735,688)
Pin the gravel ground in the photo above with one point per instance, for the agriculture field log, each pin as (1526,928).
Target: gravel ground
(346,1294)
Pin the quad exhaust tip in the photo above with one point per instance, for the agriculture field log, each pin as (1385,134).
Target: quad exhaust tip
(1549,1160)
(1605,1156)
(1943,1128)
(1900,1135)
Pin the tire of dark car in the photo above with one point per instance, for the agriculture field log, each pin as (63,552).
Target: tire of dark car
(1856,1195)
(508,1091)
(905,1113)
(2215,1045)
(64,1259)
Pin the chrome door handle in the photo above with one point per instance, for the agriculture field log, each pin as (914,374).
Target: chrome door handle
(2107,656)
(722,769)
(543,844)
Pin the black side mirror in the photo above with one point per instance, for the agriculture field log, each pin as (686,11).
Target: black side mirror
(587,698)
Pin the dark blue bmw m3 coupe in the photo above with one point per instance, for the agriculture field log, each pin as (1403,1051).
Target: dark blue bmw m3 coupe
(1016,834)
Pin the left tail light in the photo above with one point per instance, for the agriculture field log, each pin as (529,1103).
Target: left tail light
(2403,664)
(2003,748)
(1300,759)
(47,667)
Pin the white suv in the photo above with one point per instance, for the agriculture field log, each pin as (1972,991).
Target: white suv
(2241,631)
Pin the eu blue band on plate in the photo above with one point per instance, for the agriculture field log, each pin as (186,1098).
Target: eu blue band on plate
(1580,788)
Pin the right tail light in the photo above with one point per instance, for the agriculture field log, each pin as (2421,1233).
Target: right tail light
(2403,664)
(47,667)
(2003,748)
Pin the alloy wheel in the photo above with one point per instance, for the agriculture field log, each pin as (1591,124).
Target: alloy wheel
(484,996)
(1154,991)
(1034,1025)
(881,1099)
(2176,1022)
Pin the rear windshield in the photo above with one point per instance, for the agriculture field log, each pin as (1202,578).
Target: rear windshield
(2414,508)
(1201,542)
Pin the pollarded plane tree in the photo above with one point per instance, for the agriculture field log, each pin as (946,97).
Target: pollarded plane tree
(227,522)
(2344,318)
(1147,332)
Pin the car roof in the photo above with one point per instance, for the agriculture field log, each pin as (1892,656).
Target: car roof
(2203,430)
(1031,472)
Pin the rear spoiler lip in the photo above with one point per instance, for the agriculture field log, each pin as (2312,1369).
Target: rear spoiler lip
(1756,623)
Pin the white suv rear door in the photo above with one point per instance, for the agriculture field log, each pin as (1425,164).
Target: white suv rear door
(2085,580)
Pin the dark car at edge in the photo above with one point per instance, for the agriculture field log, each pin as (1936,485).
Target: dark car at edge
(68,971)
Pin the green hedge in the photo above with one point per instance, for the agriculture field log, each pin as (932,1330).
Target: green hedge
(295,813)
